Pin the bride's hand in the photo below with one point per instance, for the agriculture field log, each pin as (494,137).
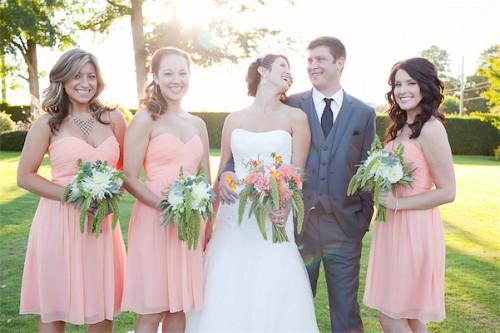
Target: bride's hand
(279,216)
(226,194)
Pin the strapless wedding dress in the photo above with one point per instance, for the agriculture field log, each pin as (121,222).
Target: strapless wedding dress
(253,285)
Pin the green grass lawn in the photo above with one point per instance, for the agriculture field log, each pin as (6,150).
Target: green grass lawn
(472,244)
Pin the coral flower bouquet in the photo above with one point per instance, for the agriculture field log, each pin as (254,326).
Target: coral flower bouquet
(271,187)
(380,171)
(95,183)
(185,201)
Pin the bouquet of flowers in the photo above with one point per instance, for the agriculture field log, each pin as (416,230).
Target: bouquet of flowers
(380,171)
(95,183)
(187,200)
(271,187)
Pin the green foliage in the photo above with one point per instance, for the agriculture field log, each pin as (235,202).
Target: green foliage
(16,112)
(6,123)
(491,118)
(471,136)
(491,70)
(450,105)
(13,140)
(214,122)
(126,113)
(497,153)
(440,58)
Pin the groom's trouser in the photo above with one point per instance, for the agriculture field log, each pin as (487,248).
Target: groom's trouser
(324,240)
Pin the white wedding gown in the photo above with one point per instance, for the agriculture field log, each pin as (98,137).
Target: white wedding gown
(253,285)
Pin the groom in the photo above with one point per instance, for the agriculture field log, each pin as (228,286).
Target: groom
(342,130)
(334,223)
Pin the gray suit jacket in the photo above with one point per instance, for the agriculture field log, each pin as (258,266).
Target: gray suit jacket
(332,161)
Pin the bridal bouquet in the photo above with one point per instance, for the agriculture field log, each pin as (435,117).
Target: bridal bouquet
(95,183)
(187,200)
(271,187)
(380,171)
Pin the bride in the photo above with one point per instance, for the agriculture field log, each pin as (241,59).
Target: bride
(251,284)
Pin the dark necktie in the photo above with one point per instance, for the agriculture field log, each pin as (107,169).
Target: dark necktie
(327,117)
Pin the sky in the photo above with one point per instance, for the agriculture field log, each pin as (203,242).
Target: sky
(376,34)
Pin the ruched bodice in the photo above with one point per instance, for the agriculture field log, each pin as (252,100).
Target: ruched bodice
(247,145)
(422,176)
(166,153)
(65,152)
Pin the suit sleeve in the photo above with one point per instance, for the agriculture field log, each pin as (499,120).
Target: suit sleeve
(369,136)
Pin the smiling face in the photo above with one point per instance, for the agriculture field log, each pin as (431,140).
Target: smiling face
(280,73)
(406,91)
(82,87)
(324,71)
(173,77)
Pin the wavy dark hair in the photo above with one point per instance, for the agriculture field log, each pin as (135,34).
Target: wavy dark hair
(55,100)
(253,76)
(152,98)
(431,88)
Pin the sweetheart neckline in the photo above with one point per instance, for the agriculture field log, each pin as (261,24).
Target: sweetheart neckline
(176,137)
(80,139)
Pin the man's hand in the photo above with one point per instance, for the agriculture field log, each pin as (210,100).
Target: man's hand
(227,195)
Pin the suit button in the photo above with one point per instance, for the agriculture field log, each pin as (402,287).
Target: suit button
(325,148)
(323,163)
(322,178)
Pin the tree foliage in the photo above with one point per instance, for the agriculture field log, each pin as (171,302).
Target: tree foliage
(490,68)
(219,40)
(28,24)
(440,58)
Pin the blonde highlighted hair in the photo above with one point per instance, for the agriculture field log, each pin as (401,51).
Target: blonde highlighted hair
(55,100)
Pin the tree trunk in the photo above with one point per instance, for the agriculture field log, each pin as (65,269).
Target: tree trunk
(32,62)
(137,24)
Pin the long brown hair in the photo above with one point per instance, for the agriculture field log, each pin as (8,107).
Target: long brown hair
(431,88)
(55,100)
(152,98)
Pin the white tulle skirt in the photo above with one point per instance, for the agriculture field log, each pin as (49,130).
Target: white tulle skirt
(252,285)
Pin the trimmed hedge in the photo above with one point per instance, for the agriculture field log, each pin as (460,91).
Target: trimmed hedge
(475,135)
(17,112)
(12,140)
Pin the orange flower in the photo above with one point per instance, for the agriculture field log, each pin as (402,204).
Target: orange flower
(231,183)
(278,159)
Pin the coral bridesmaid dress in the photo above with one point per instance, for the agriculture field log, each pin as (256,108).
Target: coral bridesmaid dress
(162,274)
(70,276)
(405,277)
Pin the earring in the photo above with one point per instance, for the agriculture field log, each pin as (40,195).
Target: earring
(264,81)
(156,89)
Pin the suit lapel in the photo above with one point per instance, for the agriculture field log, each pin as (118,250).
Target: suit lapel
(307,105)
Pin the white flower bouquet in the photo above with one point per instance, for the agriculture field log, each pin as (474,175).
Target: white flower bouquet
(380,171)
(187,200)
(95,183)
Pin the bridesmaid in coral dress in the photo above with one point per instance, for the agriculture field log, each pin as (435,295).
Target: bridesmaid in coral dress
(163,279)
(405,278)
(70,276)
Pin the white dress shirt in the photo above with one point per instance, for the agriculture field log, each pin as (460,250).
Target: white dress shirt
(319,103)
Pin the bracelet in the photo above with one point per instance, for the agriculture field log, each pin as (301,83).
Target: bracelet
(397,204)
